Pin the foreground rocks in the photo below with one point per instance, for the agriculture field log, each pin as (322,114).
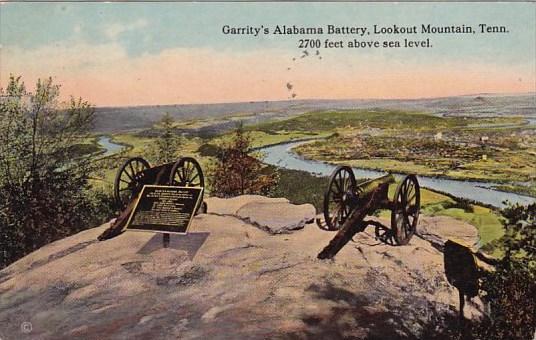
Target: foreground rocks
(228,279)
(274,215)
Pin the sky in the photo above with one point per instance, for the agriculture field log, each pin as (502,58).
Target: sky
(121,54)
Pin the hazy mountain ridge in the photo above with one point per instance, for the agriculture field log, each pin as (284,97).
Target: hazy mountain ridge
(114,119)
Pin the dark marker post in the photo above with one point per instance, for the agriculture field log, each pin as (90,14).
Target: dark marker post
(165,240)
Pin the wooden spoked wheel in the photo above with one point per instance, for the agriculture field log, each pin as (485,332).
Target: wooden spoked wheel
(405,211)
(128,180)
(187,172)
(337,199)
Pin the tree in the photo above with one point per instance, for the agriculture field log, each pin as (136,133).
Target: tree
(519,241)
(237,172)
(44,188)
(511,289)
(168,143)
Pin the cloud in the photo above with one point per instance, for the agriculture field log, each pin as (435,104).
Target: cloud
(112,31)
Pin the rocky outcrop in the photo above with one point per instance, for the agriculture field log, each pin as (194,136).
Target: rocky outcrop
(439,229)
(227,279)
(274,215)
(230,206)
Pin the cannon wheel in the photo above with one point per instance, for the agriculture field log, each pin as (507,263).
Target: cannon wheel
(127,181)
(336,199)
(406,207)
(187,172)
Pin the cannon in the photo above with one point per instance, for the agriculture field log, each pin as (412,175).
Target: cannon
(137,172)
(346,204)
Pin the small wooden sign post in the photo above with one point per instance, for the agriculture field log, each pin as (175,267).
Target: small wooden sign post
(165,240)
(461,271)
(165,209)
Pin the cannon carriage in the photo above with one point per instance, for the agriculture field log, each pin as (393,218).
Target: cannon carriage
(137,172)
(347,203)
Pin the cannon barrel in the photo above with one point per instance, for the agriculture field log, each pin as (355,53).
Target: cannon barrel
(366,188)
(373,193)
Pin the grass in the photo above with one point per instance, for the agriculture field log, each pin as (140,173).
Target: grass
(83,149)
(262,138)
(393,165)
(487,221)
(520,189)
(138,146)
(301,187)
(478,170)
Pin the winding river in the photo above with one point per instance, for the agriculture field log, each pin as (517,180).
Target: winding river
(111,147)
(281,155)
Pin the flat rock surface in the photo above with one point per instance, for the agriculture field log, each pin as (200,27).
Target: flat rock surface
(442,228)
(229,206)
(226,279)
(277,218)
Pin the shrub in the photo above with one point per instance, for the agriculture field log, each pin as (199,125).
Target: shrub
(209,150)
(167,145)
(460,203)
(44,189)
(236,172)
(300,187)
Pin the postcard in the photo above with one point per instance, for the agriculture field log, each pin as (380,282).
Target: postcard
(267,170)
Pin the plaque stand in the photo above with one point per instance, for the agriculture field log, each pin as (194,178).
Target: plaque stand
(462,304)
(165,240)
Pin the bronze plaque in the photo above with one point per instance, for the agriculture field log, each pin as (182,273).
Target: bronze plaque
(165,209)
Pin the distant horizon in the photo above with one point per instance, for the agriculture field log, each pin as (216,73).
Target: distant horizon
(498,94)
